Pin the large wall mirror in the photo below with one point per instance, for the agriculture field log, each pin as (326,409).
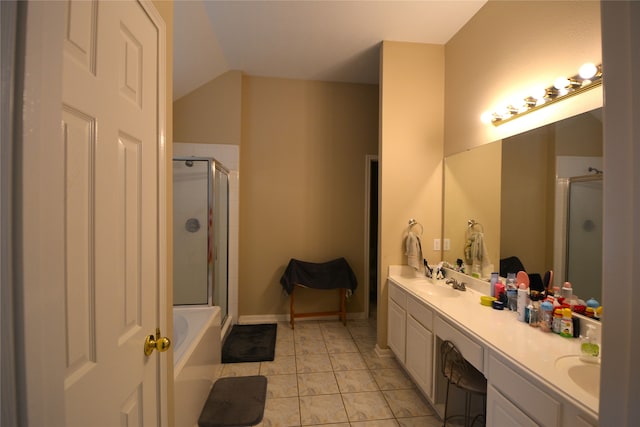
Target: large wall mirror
(536,196)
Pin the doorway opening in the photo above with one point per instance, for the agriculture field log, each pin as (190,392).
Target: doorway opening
(371,237)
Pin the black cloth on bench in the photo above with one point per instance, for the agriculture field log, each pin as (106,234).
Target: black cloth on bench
(326,275)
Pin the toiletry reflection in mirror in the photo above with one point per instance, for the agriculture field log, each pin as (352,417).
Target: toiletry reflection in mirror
(520,188)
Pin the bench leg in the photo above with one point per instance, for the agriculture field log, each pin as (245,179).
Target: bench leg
(291,312)
(343,309)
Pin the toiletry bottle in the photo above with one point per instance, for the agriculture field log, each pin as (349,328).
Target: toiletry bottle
(512,299)
(566,325)
(499,291)
(590,345)
(523,302)
(511,281)
(534,314)
(494,280)
(567,291)
(547,316)
(557,320)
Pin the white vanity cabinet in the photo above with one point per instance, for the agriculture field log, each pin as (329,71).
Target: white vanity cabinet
(513,395)
(520,391)
(516,400)
(397,321)
(419,345)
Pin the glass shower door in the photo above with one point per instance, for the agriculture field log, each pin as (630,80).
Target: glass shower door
(584,243)
(191,232)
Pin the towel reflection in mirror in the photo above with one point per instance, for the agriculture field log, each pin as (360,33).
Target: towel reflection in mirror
(475,251)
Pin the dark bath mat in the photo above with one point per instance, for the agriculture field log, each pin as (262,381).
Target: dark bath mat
(250,343)
(235,402)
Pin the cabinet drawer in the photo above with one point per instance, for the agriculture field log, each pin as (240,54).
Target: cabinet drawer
(420,312)
(537,404)
(397,294)
(471,350)
(501,412)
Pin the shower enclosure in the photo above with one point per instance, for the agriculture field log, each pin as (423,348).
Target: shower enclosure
(200,233)
(584,235)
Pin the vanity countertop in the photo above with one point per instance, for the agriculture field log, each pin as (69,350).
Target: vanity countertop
(532,351)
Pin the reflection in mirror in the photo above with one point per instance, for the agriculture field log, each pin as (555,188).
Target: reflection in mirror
(472,192)
(517,189)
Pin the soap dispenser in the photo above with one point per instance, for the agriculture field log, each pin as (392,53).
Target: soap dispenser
(590,345)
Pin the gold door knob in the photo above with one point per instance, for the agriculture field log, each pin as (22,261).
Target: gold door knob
(158,342)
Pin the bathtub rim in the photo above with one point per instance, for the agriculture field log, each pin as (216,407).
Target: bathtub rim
(178,365)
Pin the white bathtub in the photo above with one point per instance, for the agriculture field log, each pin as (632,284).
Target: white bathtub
(196,359)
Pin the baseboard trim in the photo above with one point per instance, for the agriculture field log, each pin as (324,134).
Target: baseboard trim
(275,318)
(383,352)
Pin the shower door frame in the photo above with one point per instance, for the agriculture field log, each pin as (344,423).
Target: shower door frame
(212,166)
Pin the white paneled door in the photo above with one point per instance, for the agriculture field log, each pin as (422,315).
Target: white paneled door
(110,137)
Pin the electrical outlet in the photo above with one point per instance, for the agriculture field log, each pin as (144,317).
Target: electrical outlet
(447,244)
(436,244)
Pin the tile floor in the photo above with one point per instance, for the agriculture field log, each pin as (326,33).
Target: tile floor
(327,374)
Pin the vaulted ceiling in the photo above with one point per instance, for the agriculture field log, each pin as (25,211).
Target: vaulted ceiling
(330,40)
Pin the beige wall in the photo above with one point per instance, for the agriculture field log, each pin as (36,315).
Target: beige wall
(302,185)
(506,49)
(411,141)
(211,113)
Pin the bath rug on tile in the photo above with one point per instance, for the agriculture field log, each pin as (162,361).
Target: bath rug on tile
(250,343)
(235,402)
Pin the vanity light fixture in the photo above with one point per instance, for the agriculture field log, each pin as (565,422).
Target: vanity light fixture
(588,77)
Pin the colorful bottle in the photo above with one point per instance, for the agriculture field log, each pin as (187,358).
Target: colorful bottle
(547,316)
(557,320)
(566,325)
(494,280)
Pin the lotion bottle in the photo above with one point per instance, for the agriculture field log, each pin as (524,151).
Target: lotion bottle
(494,280)
(567,291)
(523,302)
(590,345)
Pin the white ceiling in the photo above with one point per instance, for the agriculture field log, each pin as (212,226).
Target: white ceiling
(330,40)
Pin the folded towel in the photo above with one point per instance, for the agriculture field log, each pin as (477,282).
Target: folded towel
(413,251)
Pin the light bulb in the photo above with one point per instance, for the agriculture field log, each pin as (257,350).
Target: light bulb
(539,93)
(588,71)
(561,83)
(503,112)
(486,117)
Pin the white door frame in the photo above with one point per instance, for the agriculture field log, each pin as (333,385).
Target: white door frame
(41,279)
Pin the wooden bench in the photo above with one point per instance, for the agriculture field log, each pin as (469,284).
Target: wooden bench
(334,274)
(342,312)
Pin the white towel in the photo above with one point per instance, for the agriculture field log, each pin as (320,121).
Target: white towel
(413,250)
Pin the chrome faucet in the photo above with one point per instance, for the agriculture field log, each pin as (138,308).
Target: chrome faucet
(456,285)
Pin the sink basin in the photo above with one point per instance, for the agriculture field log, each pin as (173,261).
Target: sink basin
(442,291)
(583,374)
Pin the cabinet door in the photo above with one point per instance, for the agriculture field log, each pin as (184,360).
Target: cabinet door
(397,329)
(420,355)
(501,412)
